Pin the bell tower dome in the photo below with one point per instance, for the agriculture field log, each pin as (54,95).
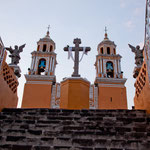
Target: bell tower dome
(44,59)
(109,77)
(41,75)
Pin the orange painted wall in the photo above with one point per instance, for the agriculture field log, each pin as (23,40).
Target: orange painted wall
(74,94)
(118,95)
(8,98)
(142,99)
(36,96)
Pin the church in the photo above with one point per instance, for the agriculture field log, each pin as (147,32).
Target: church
(42,90)
(75,114)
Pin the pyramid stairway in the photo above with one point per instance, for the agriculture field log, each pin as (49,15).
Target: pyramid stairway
(60,129)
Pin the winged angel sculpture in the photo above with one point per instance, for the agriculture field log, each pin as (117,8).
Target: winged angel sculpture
(15,53)
(138,54)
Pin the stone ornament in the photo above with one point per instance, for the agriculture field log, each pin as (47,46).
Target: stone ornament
(138,59)
(15,53)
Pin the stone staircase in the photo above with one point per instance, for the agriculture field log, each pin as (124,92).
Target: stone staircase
(48,129)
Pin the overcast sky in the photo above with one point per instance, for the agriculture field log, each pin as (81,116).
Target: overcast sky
(26,21)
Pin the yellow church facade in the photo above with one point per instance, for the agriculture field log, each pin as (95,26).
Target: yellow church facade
(42,90)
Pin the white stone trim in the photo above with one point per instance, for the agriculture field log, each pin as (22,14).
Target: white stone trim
(39,77)
(39,82)
(51,60)
(111,85)
(98,67)
(101,66)
(111,80)
(76,78)
(53,64)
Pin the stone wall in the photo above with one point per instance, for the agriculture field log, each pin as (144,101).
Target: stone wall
(59,129)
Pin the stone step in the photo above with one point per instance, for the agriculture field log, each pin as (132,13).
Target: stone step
(48,129)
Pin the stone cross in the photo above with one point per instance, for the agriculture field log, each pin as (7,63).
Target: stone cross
(76,49)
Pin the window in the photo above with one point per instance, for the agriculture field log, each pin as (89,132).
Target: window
(41,66)
(108,50)
(44,48)
(102,50)
(38,48)
(114,51)
(111,99)
(109,69)
(51,48)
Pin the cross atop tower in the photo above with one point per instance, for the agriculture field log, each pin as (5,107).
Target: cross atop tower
(48,30)
(48,27)
(105,30)
(106,33)
(76,49)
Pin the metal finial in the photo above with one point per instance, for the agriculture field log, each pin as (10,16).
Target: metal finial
(106,33)
(48,27)
(105,30)
(48,30)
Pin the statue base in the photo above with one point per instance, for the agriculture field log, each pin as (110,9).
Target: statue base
(74,93)
(16,69)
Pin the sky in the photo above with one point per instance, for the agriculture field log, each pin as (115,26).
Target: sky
(26,21)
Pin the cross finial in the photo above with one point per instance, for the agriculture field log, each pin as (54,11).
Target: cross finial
(106,33)
(48,27)
(48,30)
(105,30)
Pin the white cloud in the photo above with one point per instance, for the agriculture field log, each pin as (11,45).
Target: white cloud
(129,24)
(138,11)
(122,3)
(141,44)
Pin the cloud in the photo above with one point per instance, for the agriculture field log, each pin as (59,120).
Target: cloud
(141,44)
(122,3)
(138,11)
(129,24)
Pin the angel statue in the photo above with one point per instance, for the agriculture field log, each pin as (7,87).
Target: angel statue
(138,54)
(15,57)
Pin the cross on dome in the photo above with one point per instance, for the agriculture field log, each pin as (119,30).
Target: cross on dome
(106,33)
(48,30)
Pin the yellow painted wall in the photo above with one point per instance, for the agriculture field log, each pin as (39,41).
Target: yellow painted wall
(74,94)
(118,95)
(36,96)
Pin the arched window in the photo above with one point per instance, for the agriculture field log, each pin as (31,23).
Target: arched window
(51,48)
(41,66)
(44,48)
(109,69)
(108,50)
(38,48)
(114,51)
(102,50)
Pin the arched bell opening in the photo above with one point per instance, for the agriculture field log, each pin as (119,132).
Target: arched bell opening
(102,50)
(109,69)
(44,48)
(41,66)
(114,51)
(38,47)
(51,48)
(108,50)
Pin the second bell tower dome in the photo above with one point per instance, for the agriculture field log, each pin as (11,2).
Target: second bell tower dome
(109,77)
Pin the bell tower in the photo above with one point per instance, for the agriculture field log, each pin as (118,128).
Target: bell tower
(109,77)
(41,75)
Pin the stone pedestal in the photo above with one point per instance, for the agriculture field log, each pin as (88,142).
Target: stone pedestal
(74,93)
(16,69)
